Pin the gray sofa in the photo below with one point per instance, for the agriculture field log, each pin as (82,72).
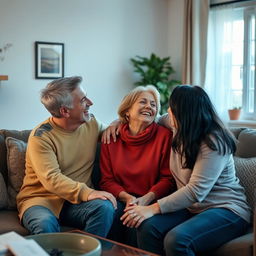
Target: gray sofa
(12,164)
(12,167)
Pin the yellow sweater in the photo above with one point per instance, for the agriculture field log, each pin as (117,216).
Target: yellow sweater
(58,166)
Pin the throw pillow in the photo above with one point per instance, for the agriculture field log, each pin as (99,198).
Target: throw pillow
(246,143)
(246,172)
(3,193)
(16,151)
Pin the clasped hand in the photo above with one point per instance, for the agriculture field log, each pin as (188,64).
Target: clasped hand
(135,214)
(136,211)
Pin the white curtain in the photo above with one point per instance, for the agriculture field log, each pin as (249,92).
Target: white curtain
(219,58)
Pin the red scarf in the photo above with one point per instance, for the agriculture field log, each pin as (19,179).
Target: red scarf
(139,139)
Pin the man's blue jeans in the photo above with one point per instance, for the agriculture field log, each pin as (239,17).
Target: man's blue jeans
(95,216)
(182,233)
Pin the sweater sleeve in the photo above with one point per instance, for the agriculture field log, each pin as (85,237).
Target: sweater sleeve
(108,181)
(166,183)
(207,169)
(164,120)
(45,165)
(101,127)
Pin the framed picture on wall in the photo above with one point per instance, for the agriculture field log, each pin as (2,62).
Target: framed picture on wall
(49,60)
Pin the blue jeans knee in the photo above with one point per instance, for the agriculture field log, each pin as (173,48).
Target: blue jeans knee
(100,217)
(204,232)
(39,219)
(151,232)
(103,208)
(94,216)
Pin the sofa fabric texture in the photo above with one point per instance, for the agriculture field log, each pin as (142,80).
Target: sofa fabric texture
(3,193)
(12,165)
(16,151)
(245,170)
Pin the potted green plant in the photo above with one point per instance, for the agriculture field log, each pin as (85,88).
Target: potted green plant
(234,113)
(156,71)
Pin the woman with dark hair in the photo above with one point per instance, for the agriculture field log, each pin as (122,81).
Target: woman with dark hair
(209,208)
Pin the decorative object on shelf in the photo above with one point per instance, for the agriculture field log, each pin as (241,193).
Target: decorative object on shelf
(234,113)
(156,71)
(3,77)
(49,60)
(3,51)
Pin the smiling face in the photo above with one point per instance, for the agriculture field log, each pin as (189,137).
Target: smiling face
(143,110)
(81,104)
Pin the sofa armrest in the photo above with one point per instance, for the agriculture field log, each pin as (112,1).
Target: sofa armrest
(254,229)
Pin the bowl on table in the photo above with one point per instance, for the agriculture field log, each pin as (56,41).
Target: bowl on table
(68,244)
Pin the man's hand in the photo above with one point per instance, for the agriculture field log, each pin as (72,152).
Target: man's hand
(96,194)
(111,130)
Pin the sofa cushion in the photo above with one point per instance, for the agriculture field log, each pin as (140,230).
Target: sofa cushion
(246,172)
(236,131)
(21,135)
(16,151)
(246,143)
(241,246)
(3,193)
(9,221)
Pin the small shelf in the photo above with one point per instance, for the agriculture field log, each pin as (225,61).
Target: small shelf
(242,123)
(2,77)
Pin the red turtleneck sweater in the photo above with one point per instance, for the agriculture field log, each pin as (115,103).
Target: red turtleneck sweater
(138,164)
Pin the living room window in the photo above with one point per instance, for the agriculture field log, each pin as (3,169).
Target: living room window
(249,99)
(230,77)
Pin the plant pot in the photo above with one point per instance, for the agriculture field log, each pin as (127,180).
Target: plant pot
(234,114)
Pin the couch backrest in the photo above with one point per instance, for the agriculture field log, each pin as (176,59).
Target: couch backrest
(96,174)
(245,161)
(246,142)
(246,148)
(21,135)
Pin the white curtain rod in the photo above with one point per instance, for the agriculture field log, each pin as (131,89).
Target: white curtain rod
(219,3)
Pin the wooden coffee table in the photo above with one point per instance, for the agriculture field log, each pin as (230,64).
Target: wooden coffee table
(113,248)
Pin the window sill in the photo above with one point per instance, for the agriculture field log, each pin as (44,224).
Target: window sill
(242,123)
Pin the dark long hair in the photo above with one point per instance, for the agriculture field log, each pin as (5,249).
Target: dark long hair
(197,122)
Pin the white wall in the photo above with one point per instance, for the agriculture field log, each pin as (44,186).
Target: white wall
(100,37)
(175,34)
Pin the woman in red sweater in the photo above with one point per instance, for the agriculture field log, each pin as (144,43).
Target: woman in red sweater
(135,168)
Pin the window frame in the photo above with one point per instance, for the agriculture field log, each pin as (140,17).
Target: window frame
(248,13)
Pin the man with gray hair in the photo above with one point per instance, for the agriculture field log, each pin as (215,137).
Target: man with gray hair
(57,185)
